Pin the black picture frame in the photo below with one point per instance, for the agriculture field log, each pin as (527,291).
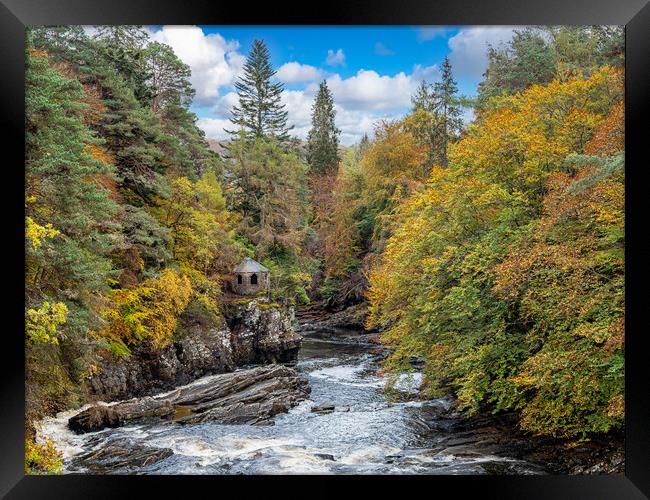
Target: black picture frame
(15,15)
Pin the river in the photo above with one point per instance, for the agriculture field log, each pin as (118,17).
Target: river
(366,434)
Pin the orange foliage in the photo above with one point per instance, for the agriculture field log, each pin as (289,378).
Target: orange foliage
(609,139)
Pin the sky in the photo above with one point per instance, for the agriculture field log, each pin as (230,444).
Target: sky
(372,71)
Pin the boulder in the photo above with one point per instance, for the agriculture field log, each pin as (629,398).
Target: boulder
(323,408)
(251,396)
(351,318)
(98,417)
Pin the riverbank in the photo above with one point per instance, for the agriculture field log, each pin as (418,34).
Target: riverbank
(359,431)
(344,424)
(603,454)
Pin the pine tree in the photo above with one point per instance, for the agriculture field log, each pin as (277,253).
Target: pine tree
(169,77)
(447,109)
(124,49)
(364,144)
(422,98)
(260,112)
(323,138)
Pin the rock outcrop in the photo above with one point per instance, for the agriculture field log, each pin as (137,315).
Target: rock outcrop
(202,347)
(118,456)
(253,332)
(262,333)
(252,396)
(315,319)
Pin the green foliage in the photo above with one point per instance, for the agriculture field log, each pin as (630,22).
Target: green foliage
(538,55)
(436,119)
(323,138)
(268,188)
(169,78)
(259,114)
(289,279)
(123,48)
(107,133)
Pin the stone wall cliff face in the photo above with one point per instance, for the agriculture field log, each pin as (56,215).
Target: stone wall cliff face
(263,334)
(254,333)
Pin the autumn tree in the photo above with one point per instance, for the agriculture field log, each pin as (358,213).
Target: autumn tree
(537,55)
(485,274)
(392,169)
(201,230)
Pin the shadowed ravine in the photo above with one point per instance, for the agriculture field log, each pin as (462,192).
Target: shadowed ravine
(364,435)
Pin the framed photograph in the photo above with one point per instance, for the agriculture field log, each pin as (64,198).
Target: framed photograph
(375,242)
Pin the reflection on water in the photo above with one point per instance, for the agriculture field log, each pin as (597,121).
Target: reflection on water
(365,434)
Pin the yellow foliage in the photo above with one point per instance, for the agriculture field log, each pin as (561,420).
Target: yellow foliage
(42,458)
(148,313)
(527,136)
(433,225)
(393,163)
(36,233)
(202,228)
(41,325)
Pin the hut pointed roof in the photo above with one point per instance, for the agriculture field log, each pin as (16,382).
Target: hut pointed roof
(249,265)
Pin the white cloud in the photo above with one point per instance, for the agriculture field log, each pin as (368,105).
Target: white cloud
(294,72)
(426,33)
(335,58)
(382,50)
(224,104)
(360,101)
(469,46)
(368,90)
(353,123)
(428,73)
(298,103)
(214,61)
(214,127)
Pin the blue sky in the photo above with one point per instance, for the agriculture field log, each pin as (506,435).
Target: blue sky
(372,71)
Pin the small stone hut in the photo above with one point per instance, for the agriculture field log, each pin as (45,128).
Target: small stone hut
(250,278)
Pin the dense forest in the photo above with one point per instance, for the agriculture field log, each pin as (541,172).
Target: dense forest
(491,252)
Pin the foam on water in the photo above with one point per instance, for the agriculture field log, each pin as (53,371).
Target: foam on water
(56,429)
(360,436)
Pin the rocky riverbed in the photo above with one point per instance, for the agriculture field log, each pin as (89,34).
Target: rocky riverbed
(353,429)
(327,413)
